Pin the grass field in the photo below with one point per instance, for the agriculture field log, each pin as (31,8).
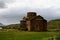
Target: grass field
(17,35)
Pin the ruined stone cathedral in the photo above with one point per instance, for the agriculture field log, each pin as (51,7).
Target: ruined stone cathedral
(33,22)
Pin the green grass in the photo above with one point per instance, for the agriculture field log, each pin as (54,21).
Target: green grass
(58,38)
(12,35)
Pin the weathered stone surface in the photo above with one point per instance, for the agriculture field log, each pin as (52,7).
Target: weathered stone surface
(33,22)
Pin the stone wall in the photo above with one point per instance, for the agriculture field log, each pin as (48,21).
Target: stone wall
(33,22)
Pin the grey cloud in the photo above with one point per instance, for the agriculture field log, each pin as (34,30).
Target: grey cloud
(49,13)
(4,2)
(8,1)
(14,15)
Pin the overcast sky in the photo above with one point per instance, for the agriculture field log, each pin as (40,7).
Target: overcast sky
(12,11)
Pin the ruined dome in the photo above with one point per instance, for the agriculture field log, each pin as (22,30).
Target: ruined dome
(31,14)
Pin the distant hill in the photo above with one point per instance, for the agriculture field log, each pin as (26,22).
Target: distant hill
(1,24)
(54,24)
(12,26)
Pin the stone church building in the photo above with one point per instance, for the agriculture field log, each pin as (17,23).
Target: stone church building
(33,22)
